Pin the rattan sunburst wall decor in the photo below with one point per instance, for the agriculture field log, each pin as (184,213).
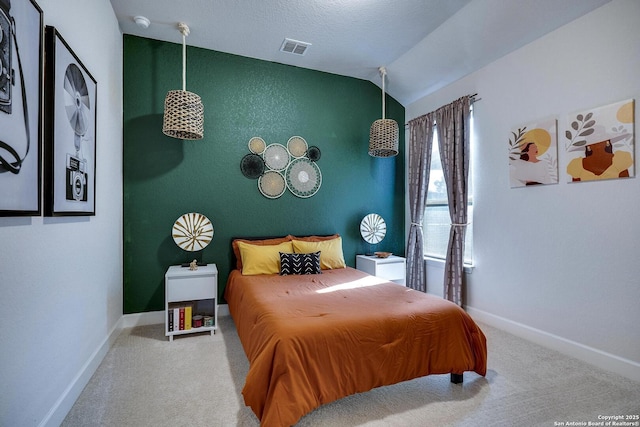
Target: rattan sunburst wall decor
(192,232)
(373,228)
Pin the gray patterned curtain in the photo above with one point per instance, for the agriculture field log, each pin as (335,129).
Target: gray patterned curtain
(421,138)
(453,140)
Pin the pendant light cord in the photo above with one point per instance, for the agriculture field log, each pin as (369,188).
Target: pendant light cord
(383,72)
(184,62)
(184,29)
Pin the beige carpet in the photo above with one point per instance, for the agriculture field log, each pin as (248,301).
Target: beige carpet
(197,380)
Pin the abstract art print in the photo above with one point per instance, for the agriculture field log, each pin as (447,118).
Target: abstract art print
(21,50)
(533,154)
(600,143)
(70,131)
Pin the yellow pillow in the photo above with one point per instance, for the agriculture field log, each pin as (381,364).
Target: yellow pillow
(262,259)
(331,255)
(273,241)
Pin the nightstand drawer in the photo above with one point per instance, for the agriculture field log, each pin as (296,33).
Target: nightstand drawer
(391,271)
(391,268)
(182,289)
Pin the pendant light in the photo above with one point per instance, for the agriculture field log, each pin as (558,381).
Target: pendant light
(383,135)
(183,110)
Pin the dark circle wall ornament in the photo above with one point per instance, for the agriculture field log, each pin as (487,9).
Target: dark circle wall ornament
(257,145)
(303,177)
(271,184)
(297,146)
(313,153)
(252,166)
(276,157)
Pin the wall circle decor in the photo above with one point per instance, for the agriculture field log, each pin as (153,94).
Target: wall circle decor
(257,145)
(276,157)
(192,232)
(373,228)
(297,146)
(303,177)
(252,166)
(271,184)
(313,153)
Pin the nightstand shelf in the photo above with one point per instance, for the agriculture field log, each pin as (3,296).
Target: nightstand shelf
(392,268)
(197,289)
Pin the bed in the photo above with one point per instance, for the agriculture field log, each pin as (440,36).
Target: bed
(315,338)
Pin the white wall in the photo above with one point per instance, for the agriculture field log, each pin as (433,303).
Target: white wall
(61,278)
(560,263)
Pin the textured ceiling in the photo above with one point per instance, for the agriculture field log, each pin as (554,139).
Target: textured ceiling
(424,44)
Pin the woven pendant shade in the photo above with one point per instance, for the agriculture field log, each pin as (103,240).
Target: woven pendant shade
(383,138)
(384,133)
(183,110)
(183,115)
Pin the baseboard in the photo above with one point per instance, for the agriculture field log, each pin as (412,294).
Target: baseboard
(156,317)
(610,362)
(142,319)
(63,405)
(223,310)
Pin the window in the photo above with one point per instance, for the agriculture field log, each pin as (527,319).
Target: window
(437,222)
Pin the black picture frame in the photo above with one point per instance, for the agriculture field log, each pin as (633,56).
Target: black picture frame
(70,93)
(21,91)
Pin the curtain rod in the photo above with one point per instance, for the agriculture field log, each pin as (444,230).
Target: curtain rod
(472,98)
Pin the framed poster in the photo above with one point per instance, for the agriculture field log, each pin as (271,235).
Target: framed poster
(600,143)
(70,131)
(533,154)
(21,50)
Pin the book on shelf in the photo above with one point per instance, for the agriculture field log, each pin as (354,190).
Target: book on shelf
(179,316)
(187,317)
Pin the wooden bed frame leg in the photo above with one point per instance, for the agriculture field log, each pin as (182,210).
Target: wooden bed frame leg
(456,378)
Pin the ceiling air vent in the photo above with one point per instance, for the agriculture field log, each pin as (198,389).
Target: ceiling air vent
(294,46)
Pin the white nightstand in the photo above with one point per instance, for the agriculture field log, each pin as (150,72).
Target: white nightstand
(197,289)
(392,268)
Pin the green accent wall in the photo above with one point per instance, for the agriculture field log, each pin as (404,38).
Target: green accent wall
(166,177)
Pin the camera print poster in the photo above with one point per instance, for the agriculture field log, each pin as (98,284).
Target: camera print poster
(600,143)
(70,149)
(533,154)
(21,26)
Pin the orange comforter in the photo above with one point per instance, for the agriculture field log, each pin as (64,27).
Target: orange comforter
(314,339)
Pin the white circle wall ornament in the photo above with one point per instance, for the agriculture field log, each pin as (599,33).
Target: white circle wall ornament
(276,157)
(192,232)
(303,177)
(271,184)
(297,146)
(373,228)
(257,145)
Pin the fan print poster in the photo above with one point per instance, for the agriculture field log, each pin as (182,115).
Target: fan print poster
(533,154)
(600,143)
(74,129)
